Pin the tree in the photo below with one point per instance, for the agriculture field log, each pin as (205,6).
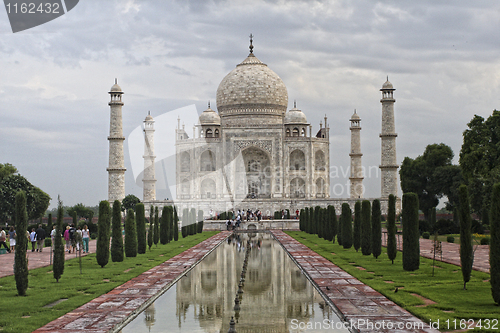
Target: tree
(306,220)
(316,222)
(200,221)
(346,226)
(176,225)
(356,237)
(49,222)
(466,254)
(185,221)
(424,176)
(116,230)
(301,220)
(339,231)
(166,216)
(332,221)
(192,221)
(366,228)
(156,235)
(20,261)
(102,250)
(391,229)
(37,201)
(58,264)
(495,243)
(376,229)
(141,228)
(6,170)
(129,202)
(130,235)
(151,227)
(480,158)
(81,210)
(411,235)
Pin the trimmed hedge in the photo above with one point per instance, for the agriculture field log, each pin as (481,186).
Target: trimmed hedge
(411,235)
(102,251)
(376,229)
(116,230)
(366,228)
(346,226)
(130,235)
(392,250)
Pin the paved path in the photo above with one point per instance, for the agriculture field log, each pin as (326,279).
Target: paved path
(358,302)
(36,259)
(451,252)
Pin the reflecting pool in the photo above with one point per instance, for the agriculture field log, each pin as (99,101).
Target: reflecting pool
(277,297)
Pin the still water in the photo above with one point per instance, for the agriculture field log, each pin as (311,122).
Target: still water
(276,296)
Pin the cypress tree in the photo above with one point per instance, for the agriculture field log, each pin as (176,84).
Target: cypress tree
(332,221)
(176,225)
(391,229)
(58,264)
(116,233)
(411,235)
(346,226)
(306,219)
(74,216)
(151,227)
(376,229)
(164,220)
(319,219)
(356,237)
(366,228)
(49,223)
(141,228)
(20,261)
(433,218)
(316,224)
(301,219)
(466,254)
(130,235)
(200,221)
(102,251)
(494,219)
(185,221)
(156,233)
(339,232)
(192,220)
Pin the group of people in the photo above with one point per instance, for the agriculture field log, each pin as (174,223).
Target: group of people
(37,238)
(241,216)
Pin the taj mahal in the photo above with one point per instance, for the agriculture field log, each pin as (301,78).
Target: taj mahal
(251,152)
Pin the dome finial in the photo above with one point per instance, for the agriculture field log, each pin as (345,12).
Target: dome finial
(294,103)
(149,113)
(251,44)
(209,104)
(116,80)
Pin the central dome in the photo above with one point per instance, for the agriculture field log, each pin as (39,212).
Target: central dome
(252,88)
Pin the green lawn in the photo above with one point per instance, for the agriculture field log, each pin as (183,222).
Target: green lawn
(25,314)
(445,288)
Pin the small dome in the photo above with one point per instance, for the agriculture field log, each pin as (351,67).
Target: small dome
(209,117)
(387,85)
(149,117)
(295,116)
(115,88)
(355,116)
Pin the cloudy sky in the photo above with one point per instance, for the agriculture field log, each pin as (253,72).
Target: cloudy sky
(443,58)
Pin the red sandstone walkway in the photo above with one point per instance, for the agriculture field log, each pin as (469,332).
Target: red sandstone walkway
(357,302)
(451,252)
(35,259)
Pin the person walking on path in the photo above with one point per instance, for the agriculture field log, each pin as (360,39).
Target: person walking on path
(40,238)
(3,238)
(53,236)
(67,239)
(72,237)
(12,238)
(85,238)
(33,239)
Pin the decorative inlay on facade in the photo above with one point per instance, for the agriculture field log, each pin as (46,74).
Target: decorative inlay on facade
(266,145)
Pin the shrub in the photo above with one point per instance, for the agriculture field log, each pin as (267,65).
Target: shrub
(184,231)
(130,235)
(485,241)
(366,228)
(102,251)
(424,226)
(477,227)
(466,252)
(486,227)
(411,245)
(116,233)
(93,235)
(495,243)
(444,227)
(47,242)
(20,261)
(199,227)
(176,225)
(58,264)
(450,239)
(392,250)
(376,229)
(141,228)
(356,237)
(346,226)
(426,235)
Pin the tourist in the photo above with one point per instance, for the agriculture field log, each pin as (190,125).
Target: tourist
(12,238)
(72,236)
(297,214)
(53,235)
(78,238)
(3,237)
(40,238)
(33,239)
(227,225)
(67,239)
(85,238)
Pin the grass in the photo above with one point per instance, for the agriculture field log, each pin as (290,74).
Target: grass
(25,314)
(445,288)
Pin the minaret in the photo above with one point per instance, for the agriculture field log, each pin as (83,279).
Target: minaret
(116,169)
(356,178)
(388,166)
(149,179)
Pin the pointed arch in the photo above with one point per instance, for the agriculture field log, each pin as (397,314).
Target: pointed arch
(207,161)
(319,161)
(297,160)
(185,162)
